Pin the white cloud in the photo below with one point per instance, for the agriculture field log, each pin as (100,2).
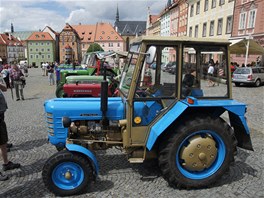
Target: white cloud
(34,15)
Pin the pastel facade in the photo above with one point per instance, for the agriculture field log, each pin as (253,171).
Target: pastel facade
(210,18)
(40,48)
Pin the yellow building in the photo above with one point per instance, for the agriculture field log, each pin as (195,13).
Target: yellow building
(210,18)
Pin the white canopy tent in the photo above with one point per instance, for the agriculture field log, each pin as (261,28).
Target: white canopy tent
(247,47)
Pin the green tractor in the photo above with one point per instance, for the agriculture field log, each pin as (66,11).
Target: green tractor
(92,66)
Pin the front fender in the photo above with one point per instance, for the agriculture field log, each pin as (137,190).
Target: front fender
(86,152)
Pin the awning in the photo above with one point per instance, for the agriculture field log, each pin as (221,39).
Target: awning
(239,46)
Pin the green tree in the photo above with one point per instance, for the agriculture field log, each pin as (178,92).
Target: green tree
(95,47)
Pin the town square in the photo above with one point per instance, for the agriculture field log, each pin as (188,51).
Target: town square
(168,103)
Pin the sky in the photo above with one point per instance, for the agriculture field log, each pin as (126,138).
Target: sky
(34,15)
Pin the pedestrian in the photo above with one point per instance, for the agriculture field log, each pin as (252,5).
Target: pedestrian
(50,70)
(17,81)
(210,73)
(8,165)
(5,75)
(43,68)
(25,69)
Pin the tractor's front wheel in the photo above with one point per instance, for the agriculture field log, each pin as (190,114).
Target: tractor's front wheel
(67,173)
(197,153)
(59,91)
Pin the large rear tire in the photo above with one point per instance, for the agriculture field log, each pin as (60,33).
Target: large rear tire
(197,153)
(67,174)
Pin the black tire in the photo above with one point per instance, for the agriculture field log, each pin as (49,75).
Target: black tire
(62,163)
(257,83)
(237,84)
(59,91)
(173,160)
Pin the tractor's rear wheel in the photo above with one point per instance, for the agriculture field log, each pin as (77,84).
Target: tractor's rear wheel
(197,153)
(67,174)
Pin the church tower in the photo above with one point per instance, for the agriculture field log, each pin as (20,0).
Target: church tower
(117,14)
(12,28)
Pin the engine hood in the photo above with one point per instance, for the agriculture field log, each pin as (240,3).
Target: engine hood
(84,108)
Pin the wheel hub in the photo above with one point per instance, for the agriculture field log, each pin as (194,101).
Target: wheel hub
(200,153)
(68,175)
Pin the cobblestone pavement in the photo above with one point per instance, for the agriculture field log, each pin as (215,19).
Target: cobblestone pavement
(118,178)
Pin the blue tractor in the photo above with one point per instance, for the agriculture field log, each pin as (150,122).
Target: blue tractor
(192,127)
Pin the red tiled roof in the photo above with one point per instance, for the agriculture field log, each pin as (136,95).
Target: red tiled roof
(86,32)
(106,32)
(10,40)
(40,36)
(153,18)
(97,33)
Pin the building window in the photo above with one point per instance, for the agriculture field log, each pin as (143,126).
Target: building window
(30,49)
(213,3)
(103,45)
(36,43)
(190,32)
(198,7)
(37,50)
(211,28)
(37,56)
(229,23)
(48,56)
(118,44)
(30,43)
(110,44)
(204,29)
(48,43)
(252,18)
(206,5)
(42,49)
(48,50)
(191,12)
(31,56)
(242,21)
(221,2)
(43,56)
(83,45)
(196,31)
(220,26)
(42,43)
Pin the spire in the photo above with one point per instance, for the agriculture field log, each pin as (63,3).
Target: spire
(12,28)
(168,3)
(117,14)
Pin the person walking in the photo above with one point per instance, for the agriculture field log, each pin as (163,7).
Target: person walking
(50,70)
(5,75)
(210,73)
(17,81)
(8,165)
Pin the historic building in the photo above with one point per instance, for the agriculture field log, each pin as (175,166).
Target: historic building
(40,48)
(153,25)
(248,24)
(70,45)
(12,50)
(102,33)
(212,19)
(129,29)
(55,35)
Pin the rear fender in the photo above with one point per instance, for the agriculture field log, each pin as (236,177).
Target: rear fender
(235,109)
(86,152)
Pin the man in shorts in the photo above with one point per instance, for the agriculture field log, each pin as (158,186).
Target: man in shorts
(8,165)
